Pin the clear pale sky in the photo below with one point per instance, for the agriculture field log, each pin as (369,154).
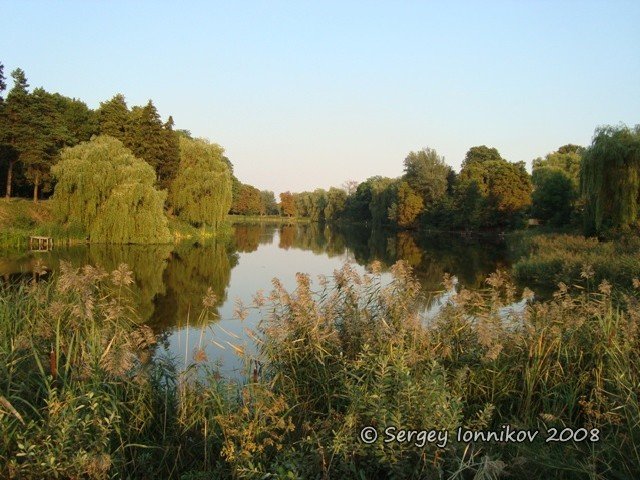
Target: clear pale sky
(309,94)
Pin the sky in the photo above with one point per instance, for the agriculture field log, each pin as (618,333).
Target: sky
(306,95)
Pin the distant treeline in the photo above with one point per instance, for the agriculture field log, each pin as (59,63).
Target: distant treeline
(597,186)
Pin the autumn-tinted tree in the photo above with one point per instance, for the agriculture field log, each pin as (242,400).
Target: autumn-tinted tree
(247,202)
(201,191)
(426,173)
(103,187)
(287,204)
(610,179)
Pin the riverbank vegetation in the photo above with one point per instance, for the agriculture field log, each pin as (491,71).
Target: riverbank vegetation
(82,396)
(592,189)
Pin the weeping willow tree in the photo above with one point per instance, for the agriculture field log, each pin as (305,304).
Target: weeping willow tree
(104,188)
(610,180)
(201,192)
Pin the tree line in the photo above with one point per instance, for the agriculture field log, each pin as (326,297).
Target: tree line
(598,186)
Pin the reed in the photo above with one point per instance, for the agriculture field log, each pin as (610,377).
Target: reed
(84,394)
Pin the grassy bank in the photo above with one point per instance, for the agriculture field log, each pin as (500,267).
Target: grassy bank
(547,259)
(266,219)
(21,218)
(81,396)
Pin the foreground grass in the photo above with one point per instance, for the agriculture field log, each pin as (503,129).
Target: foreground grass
(81,398)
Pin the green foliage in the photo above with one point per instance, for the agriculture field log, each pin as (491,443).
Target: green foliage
(481,154)
(550,259)
(336,200)
(553,196)
(83,396)
(268,204)
(610,180)
(567,158)
(407,206)
(201,192)
(142,131)
(107,190)
(505,187)
(426,173)
(114,118)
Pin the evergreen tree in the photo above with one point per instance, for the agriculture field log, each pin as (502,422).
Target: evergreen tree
(105,189)
(18,124)
(201,191)
(114,117)
(148,139)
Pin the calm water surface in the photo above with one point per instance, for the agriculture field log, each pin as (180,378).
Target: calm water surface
(171,281)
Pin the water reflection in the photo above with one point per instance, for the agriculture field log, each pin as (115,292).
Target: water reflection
(171,281)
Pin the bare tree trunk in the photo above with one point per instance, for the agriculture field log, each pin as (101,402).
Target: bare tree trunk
(35,188)
(9,178)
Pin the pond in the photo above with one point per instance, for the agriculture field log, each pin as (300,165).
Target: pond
(172,280)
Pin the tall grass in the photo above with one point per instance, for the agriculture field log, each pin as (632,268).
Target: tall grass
(550,259)
(83,396)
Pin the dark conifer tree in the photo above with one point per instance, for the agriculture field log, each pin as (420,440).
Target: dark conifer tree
(18,129)
(114,117)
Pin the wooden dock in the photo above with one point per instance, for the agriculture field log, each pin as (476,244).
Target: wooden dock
(41,244)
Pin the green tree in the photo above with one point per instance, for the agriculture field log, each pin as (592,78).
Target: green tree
(114,117)
(143,132)
(318,203)
(336,200)
(610,179)
(567,158)
(104,188)
(201,191)
(268,204)
(505,187)
(426,173)
(481,154)
(384,192)
(17,135)
(553,195)
(155,142)
(407,207)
